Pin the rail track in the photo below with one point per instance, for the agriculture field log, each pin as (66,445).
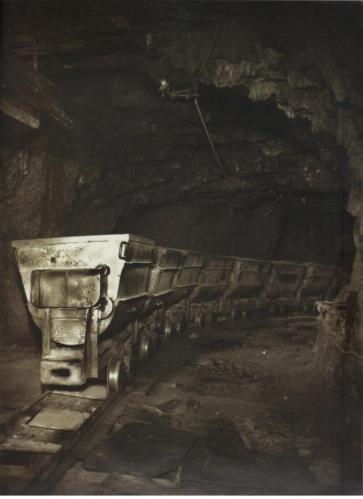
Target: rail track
(43,440)
(39,443)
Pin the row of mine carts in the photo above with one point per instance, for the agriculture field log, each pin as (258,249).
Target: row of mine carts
(104,303)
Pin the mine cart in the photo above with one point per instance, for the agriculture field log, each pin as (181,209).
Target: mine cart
(84,294)
(186,281)
(158,317)
(320,283)
(205,301)
(189,274)
(244,292)
(283,285)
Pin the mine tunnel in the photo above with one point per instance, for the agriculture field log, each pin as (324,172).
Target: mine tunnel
(225,128)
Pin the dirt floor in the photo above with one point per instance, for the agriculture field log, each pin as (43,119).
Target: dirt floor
(19,379)
(229,409)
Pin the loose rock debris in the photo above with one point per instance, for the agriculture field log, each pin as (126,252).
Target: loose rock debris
(144,449)
(225,439)
(222,421)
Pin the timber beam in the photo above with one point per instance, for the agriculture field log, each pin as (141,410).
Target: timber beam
(35,91)
(18,110)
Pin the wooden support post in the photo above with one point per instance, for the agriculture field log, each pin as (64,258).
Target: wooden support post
(34,89)
(19,110)
(331,339)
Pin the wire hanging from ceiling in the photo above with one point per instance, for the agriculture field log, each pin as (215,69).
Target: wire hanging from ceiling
(210,140)
(208,54)
(192,93)
(199,112)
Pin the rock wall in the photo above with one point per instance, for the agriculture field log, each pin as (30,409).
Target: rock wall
(35,198)
(280,91)
(52,187)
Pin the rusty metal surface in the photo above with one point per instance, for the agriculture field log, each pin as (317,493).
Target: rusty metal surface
(73,286)
(79,288)
(81,252)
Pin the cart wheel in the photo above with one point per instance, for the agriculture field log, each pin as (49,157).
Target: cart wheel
(200,319)
(178,327)
(168,329)
(115,376)
(144,348)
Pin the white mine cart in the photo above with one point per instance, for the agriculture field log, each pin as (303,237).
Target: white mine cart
(319,284)
(213,282)
(283,286)
(185,281)
(84,294)
(245,290)
(159,316)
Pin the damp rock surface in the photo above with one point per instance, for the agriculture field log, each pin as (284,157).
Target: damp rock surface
(252,423)
(281,105)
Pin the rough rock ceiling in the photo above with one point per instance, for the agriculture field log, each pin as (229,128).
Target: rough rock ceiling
(276,93)
(265,50)
(280,94)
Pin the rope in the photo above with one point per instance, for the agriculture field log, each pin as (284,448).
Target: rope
(210,140)
(187,94)
(211,48)
(200,114)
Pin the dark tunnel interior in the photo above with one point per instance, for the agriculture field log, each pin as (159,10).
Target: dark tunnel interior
(226,127)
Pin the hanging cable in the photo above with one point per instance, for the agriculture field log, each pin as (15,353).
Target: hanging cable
(191,92)
(206,58)
(200,114)
(210,140)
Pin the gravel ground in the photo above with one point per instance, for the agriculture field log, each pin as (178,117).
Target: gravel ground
(235,409)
